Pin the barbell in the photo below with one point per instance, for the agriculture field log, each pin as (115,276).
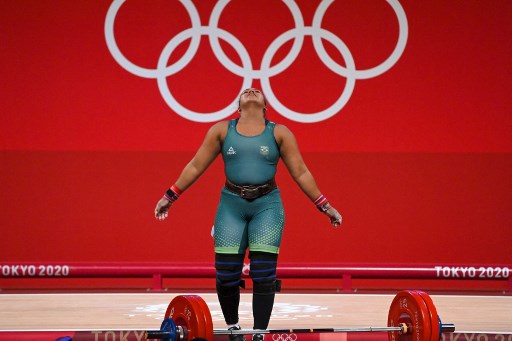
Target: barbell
(412,316)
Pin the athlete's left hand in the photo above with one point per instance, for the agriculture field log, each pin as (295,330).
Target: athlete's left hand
(334,216)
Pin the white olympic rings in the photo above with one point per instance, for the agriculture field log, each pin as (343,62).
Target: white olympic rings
(284,337)
(246,71)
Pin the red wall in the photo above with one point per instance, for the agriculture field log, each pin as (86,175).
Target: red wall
(418,161)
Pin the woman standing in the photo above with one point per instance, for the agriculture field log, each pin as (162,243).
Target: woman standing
(250,212)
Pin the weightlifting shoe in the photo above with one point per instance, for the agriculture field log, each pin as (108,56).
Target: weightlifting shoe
(257,337)
(236,337)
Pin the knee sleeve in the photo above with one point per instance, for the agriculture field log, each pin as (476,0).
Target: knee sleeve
(263,273)
(228,273)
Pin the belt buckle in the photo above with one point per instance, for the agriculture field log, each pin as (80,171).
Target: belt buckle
(249,193)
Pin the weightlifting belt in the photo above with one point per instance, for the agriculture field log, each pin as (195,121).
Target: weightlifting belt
(251,191)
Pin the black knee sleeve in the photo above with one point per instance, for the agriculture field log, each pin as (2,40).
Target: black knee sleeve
(228,275)
(229,272)
(263,273)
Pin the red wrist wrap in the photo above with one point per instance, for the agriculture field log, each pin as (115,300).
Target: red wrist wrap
(322,203)
(172,194)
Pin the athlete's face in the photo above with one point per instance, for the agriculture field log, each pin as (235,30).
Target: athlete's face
(252,95)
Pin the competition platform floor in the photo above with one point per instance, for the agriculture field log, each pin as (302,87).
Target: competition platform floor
(475,317)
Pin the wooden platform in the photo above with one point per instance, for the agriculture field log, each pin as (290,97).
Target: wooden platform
(26,312)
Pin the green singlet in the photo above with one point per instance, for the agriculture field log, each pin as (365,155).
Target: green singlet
(258,223)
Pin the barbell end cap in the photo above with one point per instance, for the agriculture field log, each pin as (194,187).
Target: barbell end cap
(405,328)
(156,335)
(447,328)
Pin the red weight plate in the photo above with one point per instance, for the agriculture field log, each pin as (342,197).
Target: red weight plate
(199,312)
(207,316)
(187,313)
(434,318)
(408,307)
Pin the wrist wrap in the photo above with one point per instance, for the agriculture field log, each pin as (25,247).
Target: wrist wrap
(172,194)
(322,203)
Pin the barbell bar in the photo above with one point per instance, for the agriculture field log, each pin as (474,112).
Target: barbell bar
(412,316)
(402,329)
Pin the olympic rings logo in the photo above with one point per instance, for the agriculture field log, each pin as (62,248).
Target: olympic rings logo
(246,71)
(284,337)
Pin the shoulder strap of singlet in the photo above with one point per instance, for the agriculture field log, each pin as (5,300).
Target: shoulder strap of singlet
(233,122)
(231,125)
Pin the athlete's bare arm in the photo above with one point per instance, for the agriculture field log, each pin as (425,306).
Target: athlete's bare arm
(203,158)
(297,168)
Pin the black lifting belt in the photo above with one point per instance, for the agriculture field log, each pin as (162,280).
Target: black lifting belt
(251,191)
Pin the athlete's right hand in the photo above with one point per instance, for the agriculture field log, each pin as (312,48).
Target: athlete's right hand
(162,209)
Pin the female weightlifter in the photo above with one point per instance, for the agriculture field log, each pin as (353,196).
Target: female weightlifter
(250,212)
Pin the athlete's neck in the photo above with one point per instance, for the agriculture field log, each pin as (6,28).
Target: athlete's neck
(251,124)
(252,114)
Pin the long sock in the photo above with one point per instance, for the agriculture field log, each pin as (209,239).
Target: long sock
(262,309)
(229,305)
